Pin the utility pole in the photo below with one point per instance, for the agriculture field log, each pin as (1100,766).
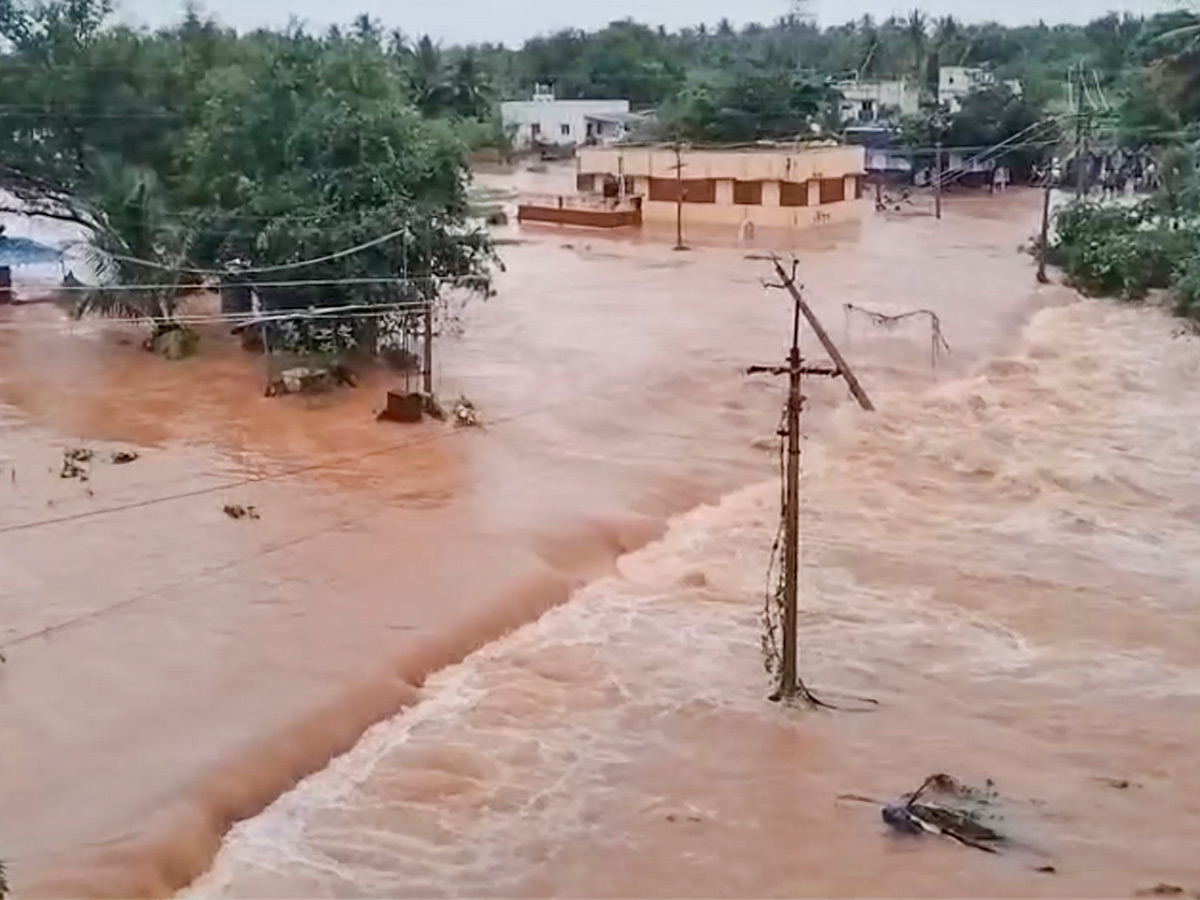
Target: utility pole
(679,244)
(1081,185)
(938,187)
(1044,248)
(428,332)
(791,685)
(843,367)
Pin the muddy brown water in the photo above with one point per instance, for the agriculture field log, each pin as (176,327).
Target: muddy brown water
(1004,557)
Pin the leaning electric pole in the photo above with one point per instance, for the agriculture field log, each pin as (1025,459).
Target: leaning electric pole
(791,685)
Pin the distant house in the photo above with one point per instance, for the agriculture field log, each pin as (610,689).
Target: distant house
(956,83)
(875,101)
(885,162)
(765,185)
(546,120)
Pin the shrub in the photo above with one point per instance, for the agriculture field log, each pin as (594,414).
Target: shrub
(1120,251)
(1187,288)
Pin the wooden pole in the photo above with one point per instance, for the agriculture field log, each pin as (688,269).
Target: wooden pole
(1044,249)
(823,336)
(938,188)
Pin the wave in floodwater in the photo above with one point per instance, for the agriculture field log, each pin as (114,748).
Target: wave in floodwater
(1008,562)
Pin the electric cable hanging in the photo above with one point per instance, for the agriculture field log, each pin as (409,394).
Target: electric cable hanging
(265,270)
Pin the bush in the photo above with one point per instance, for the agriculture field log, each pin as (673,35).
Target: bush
(1187,288)
(1120,251)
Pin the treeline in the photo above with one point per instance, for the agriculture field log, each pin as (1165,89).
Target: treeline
(776,80)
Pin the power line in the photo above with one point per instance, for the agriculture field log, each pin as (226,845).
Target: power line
(232,280)
(332,257)
(368,312)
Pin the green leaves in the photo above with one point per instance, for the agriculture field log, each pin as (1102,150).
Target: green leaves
(194,146)
(1126,252)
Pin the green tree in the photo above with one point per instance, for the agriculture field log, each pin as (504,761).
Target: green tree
(471,92)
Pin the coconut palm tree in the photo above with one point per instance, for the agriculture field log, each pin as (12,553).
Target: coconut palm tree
(1178,65)
(916,29)
(137,246)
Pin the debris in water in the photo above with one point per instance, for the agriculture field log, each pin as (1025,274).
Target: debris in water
(959,812)
(465,414)
(1161,890)
(75,463)
(123,457)
(242,512)
(1120,784)
(1046,870)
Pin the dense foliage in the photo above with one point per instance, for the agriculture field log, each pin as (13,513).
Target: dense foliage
(194,147)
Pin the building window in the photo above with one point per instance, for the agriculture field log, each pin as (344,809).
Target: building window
(833,190)
(585,184)
(630,185)
(747,193)
(566,130)
(535,129)
(793,193)
(695,190)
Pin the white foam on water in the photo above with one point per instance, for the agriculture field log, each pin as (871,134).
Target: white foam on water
(923,526)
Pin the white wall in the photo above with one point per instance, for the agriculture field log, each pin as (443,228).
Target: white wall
(552,116)
(881,94)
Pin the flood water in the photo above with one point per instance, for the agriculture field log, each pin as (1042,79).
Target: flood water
(1004,556)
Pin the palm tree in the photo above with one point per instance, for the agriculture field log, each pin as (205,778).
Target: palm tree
(916,29)
(136,245)
(470,86)
(426,77)
(1178,68)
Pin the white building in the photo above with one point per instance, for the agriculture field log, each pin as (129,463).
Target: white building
(956,82)
(545,120)
(870,101)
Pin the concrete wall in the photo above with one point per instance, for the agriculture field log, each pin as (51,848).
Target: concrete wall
(724,166)
(801,164)
(881,95)
(552,115)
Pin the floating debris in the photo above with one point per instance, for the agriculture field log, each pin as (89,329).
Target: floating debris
(1119,784)
(1161,890)
(123,457)
(946,807)
(465,414)
(242,512)
(75,463)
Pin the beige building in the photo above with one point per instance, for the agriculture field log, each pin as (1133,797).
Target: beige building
(780,186)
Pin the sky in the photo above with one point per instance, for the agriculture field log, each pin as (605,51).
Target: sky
(512,21)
